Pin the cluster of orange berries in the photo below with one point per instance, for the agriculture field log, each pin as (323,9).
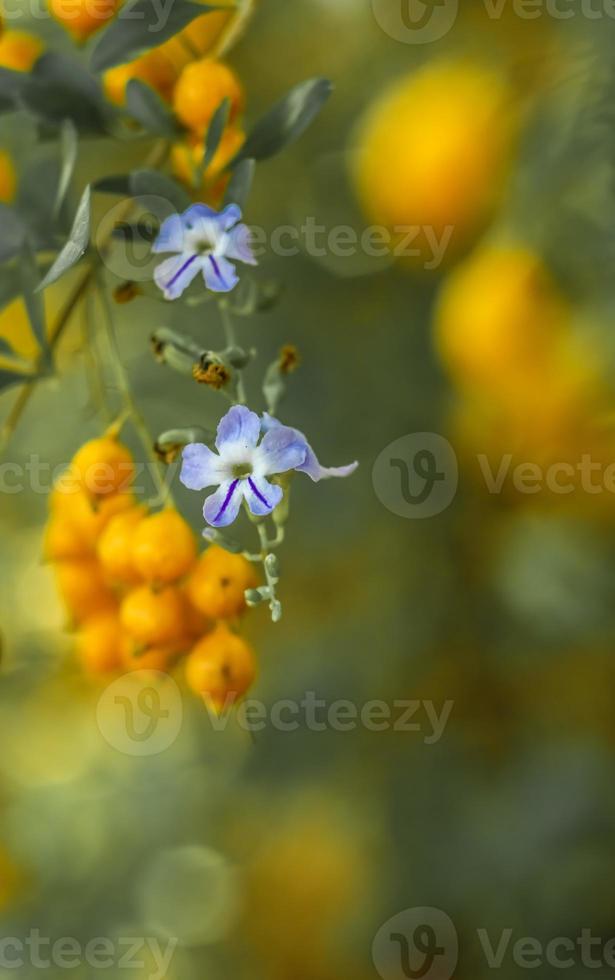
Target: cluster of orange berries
(184,73)
(134,587)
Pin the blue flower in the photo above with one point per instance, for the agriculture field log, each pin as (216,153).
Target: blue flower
(203,240)
(240,468)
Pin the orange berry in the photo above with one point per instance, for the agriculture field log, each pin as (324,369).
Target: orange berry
(155,68)
(19,50)
(8,179)
(217,585)
(83,589)
(154,658)
(64,540)
(103,466)
(188,155)
(221,667)
(200,89)
(115,545)
(153,618)
(82,18)
(163,547)
(89,516)
(99,644)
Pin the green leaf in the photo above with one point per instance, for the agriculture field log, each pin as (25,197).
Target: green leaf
(35,307)
(138,28)
(12,233)
(214,134)
(11,83)
(146,106)
(287,120)
(69,143)
(151,183)
(59,88)
(10,378)
(76,245)
(5,348)
(238,187)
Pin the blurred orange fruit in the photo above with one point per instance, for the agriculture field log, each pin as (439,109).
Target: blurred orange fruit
(64,540)
(82,18)
(115,545)
(153,618)
(201,88)
(89,516)
(83,589)
(499,319)
(163,547)
(155,68)
(221,667)
(433,153)
(103,466)
(99,644)
(217,585)
(19,50)
(154,658)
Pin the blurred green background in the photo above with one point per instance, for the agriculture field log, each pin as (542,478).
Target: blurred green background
(305,842)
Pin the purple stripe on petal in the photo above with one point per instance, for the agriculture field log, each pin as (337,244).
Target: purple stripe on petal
(227,501)
(185,266)
(258,494)
(216,266)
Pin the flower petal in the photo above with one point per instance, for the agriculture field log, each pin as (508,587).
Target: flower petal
(174,275)
(219,274)
(316,472)
(196,213)
(171,235)
(239,427)
(200,467)
(261,496)
(282,449)
(239,245)
(221,508)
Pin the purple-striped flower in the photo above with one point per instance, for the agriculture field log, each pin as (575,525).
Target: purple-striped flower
(243,463)
(204,241)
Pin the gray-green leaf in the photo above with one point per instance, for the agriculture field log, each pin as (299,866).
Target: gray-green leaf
(287,120)
(238,188)
(146,106)
(76,245)
(12,233)
(138,27)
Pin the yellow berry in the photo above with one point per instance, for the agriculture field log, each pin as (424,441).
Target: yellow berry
(433,153)
(64,540)
(82,18)
(19,50)
(155,68)
(153,658)
(163,547)
(83,589)
(153,618)
(499,317)
(89,515)
(188,155)
(115,545)
(200,89)
(216,586)
(8,179)
(221,667)
(99,644)
(103,466)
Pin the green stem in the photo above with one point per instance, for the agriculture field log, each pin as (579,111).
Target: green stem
(231,341)
(131,409)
